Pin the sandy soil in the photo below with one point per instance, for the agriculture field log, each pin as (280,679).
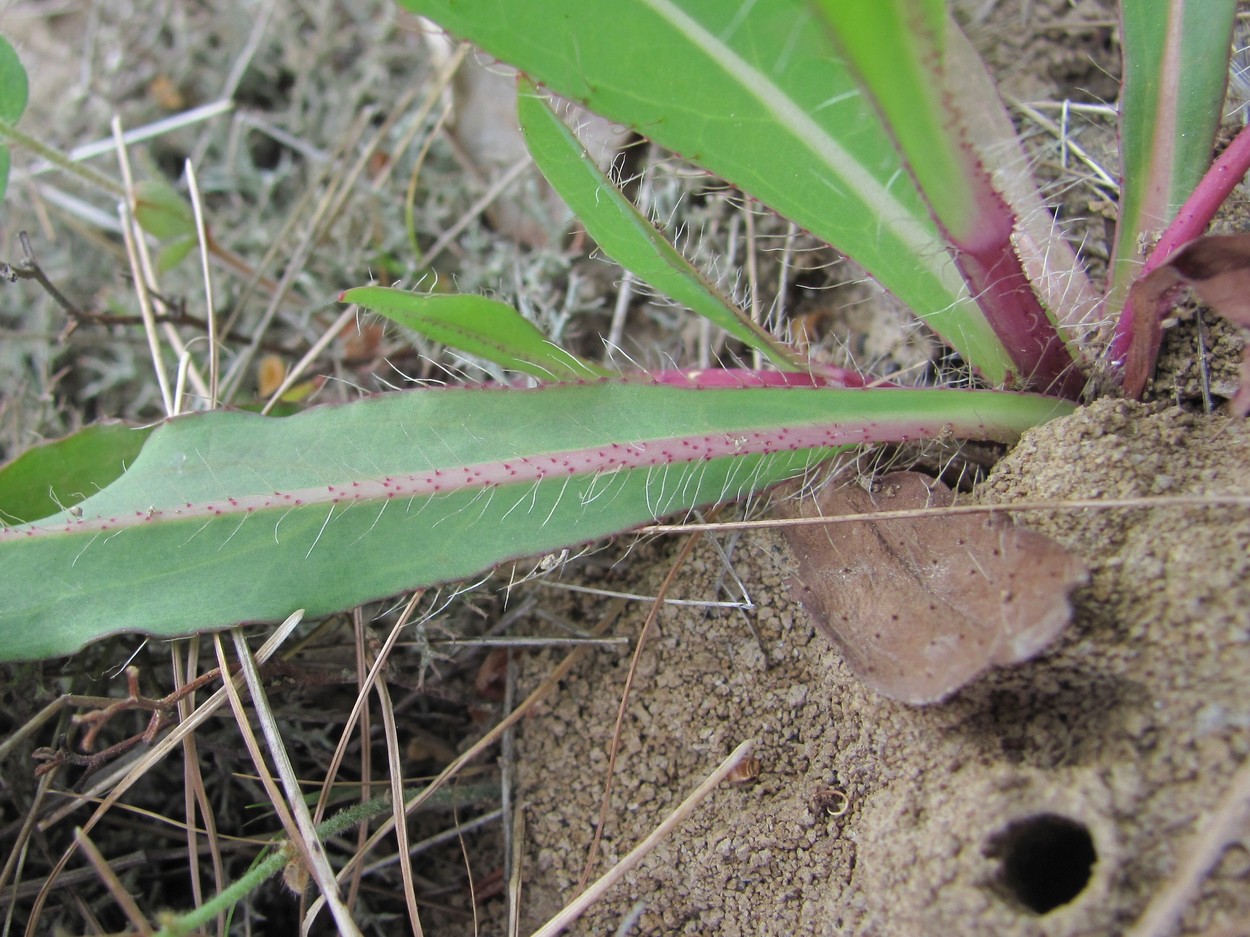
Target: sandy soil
(1120,740)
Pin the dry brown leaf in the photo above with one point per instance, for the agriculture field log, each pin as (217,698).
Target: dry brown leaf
(1217,268)
(921,606)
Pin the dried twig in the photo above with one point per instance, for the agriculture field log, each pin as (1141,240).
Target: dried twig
(574,909)
(1224,827)
(678,563)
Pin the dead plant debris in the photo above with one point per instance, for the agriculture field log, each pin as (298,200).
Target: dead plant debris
(921,606)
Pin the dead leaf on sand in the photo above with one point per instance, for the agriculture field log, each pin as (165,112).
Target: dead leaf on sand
(921,606)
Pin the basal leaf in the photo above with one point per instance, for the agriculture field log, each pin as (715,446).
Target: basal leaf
(228,517)
(622,231)
(1175,69)
(60,474)
(757,94)
(477,325)
(899,48)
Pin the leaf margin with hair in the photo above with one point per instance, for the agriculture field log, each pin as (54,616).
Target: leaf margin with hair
(58,474)
(767,105)
(623,233)
(478,325)
(899,50)
(170,549)
(1175,71)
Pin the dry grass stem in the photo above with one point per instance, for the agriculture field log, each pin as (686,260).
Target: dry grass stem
(549,683)
(195,795)
(396,774)
(134,241)
(303,833)
(577,906)
(1078,504)
(105,873)
(1224,827)
(614,748)
(150,758)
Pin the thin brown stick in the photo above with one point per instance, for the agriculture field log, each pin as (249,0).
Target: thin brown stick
(139,769)
(515,880)
(17,857)
(364,660)
(549,683)
(1223,828)
(195,793)
(574,909)
(604,805)
(361,705)
(312,850)
(1076,504)
(396,765)
(124,899)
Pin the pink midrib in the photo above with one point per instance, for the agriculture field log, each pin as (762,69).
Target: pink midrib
(522,470)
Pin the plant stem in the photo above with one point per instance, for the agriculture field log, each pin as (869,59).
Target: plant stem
(1223,176)
(59,159)
(996,277)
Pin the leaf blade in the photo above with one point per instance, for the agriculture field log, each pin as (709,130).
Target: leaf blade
(480,326)
(57,475)
(912,59)
(1175,69)
(623,233)
(14,96)
(229,517)
(766,104)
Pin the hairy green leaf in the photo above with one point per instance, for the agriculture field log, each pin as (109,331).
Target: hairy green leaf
(229,517)
(477,325)
(1175,69)
(757,94)
(58,475)
(899,48)
(624,233)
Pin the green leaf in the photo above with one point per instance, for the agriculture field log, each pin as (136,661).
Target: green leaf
(58,475)
(622,231)
(175,252)
(757,94)
(908,54)
(14,95)
(477,325)
(1175,69)
(14,85)
(896,48)
(228,517)
(162,212)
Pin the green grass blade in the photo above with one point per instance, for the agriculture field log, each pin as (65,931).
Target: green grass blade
(14,94)
(624,234)
(1175,69)
(228,517)
(477,325)
(757,94)
(58,475)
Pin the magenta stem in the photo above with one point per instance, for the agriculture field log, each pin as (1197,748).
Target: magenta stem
(1190,222)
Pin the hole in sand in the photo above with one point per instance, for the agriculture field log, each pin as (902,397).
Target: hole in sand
(1046,860)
